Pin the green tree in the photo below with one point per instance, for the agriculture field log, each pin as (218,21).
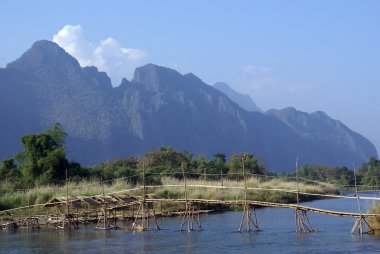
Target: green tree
(9,170)
(234,165)
(220,163)
(57,133)
(43,160)
(252,164)
(372,176)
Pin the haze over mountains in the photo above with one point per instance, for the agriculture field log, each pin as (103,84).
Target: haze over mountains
(159,107)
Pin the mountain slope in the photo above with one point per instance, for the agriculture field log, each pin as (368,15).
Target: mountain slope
(243,100)
(159,107)
(328,135)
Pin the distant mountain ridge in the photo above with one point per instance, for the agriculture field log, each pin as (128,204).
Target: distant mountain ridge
(159,107)
(243,100)
(323,132)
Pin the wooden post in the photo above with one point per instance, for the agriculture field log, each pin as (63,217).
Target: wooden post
(186,216)
(145,211)
(245,184)
(247,213)
(298,201)
(189,209)
(359,220)
(104,207)
(302,223)
(245,198)
(67,195)
(296,215)
(143,199)
(221,175)
(67,204)
(30,215)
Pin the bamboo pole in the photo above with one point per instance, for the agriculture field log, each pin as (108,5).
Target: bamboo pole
(67,195)
(67,204)
(358,221)
(245,184)
(298,191)
(295,209)
(104,207)
(143,199)
(187,215)
(221,175)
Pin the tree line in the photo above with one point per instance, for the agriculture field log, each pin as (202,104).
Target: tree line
(43,161)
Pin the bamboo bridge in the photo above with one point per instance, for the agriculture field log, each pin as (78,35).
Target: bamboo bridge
(107,209)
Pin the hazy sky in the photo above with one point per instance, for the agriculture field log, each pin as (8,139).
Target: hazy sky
(313,55)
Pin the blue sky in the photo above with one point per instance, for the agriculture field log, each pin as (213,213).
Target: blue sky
(313,55)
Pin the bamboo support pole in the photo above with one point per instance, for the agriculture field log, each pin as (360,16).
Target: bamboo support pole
(189,215)
(143,198)
(247,211)
(360,221)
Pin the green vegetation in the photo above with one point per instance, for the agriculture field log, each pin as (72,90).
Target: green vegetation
(38,174)
(343,177)
(367,175)
(374,222)
(169,187)
(42,162)
(371,173)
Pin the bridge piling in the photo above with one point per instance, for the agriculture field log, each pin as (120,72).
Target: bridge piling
(189,210)
(143,211)
(190,218)
(360,222)
(247,219)
(302,222)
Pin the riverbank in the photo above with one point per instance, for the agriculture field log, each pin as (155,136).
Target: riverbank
(270,190)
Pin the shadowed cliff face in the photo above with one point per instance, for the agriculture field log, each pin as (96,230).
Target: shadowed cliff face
(159,107)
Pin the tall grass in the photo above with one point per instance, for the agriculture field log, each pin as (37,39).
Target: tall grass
(41,195)
(374,222)
(267,193)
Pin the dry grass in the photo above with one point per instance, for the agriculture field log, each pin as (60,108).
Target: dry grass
(40,195)
(374,222)
(271,189)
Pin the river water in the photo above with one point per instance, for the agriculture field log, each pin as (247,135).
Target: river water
(219,235)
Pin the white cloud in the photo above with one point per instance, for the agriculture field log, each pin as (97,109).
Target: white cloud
(108,55)
(255,69)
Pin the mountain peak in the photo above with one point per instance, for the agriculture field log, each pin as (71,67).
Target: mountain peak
(44,56)
(157,78)
(45,44)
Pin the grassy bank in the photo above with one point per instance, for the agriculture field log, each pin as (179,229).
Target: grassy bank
(40,195)
(271,190)
(374,222)
(274,190)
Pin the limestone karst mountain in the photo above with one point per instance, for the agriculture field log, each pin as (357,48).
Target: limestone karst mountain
(159,107)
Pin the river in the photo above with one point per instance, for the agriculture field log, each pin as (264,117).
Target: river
(219,235)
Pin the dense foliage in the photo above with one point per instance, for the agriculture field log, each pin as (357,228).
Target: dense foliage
(43,161)
(335,175)
(371,173)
